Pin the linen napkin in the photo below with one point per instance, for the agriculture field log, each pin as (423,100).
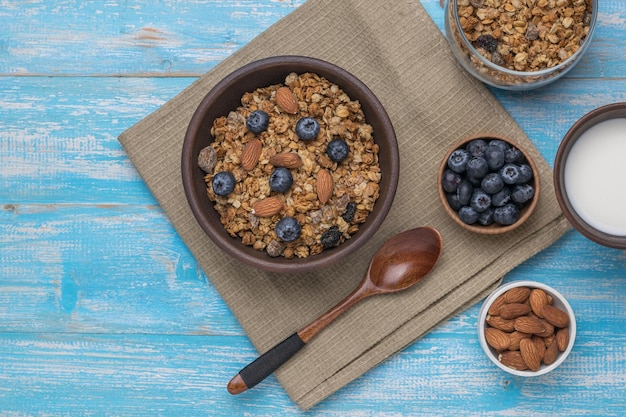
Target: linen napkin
(395,48)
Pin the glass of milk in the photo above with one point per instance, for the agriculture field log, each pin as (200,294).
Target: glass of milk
(589,175)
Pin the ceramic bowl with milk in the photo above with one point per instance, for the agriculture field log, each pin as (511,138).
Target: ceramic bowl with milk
(589,175)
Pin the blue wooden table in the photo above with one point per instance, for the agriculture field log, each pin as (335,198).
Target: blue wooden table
(103,311)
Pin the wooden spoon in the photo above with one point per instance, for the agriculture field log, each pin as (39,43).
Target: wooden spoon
(401,262)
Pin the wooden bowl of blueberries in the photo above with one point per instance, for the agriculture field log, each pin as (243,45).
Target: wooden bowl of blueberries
(488,184)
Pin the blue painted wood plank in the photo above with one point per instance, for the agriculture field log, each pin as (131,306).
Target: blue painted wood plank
(181,38)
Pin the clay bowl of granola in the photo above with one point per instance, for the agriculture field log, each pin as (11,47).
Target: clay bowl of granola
(290,164)
(488,184)
(526,328)
(519,44)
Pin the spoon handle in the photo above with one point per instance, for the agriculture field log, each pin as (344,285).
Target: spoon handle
(265,365)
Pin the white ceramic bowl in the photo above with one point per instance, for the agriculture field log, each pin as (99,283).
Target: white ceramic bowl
(558,301)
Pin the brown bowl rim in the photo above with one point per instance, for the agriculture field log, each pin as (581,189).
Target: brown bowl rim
(492,229)
(592,118)
(274,69)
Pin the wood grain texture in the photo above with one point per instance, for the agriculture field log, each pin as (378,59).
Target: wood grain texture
(103,311)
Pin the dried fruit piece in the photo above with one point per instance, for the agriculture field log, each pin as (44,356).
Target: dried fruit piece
(207,159)
(530,354)
(538,299)
(513,359)
(251,154)
(529,324)
(286,100)
(555,316)
(289,160)
(514,310)
(267,207)
(324,185)
(517,295)
(497,339)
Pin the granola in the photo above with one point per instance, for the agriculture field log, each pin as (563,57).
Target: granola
(523,35)
(355,180)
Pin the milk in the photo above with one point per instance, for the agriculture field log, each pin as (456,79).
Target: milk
(595,176)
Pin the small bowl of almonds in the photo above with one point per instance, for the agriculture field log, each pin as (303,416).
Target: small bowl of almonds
(290,164)
(526,328)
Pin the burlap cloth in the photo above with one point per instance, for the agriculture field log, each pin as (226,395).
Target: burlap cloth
(395,48)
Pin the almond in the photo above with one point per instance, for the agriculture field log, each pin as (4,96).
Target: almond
(286,100)
(516,337)
(530,354)
(289,160)
(267,207)
(497,339)
(513,359)
(528,324)
(251,154)
(500,323)
(551,354)
(324,185)
(514,310)
(549,329)
(555,316)
(517,295)
(562,338)
(494,308)
(540,345)
(538,299)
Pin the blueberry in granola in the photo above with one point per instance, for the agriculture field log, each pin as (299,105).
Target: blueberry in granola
(288,229)
(257,122)
(307,128)
(281,180)
(337,150)
(223,183)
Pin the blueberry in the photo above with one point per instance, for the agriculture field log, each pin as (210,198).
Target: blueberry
(457,161)
(307,128)
(476,147)
(331,237)
(492,183)
(288,229)
(501,198)
(337,150)
(450,181)
(257,121)
(487,42)
(348,215)
(514,156)
(477,167)
(281,180)
(464,192)
(474,181)
(506,215)
(486,217)
(510,174)
(500,144)
(468,215)
(526,173)
(522,193)
(494,157)
(223,183)
(480,200)
(454,202)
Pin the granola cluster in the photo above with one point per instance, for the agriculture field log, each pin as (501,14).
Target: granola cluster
(525,35)
(355,180)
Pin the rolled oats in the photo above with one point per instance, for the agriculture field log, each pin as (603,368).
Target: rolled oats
(355,180)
